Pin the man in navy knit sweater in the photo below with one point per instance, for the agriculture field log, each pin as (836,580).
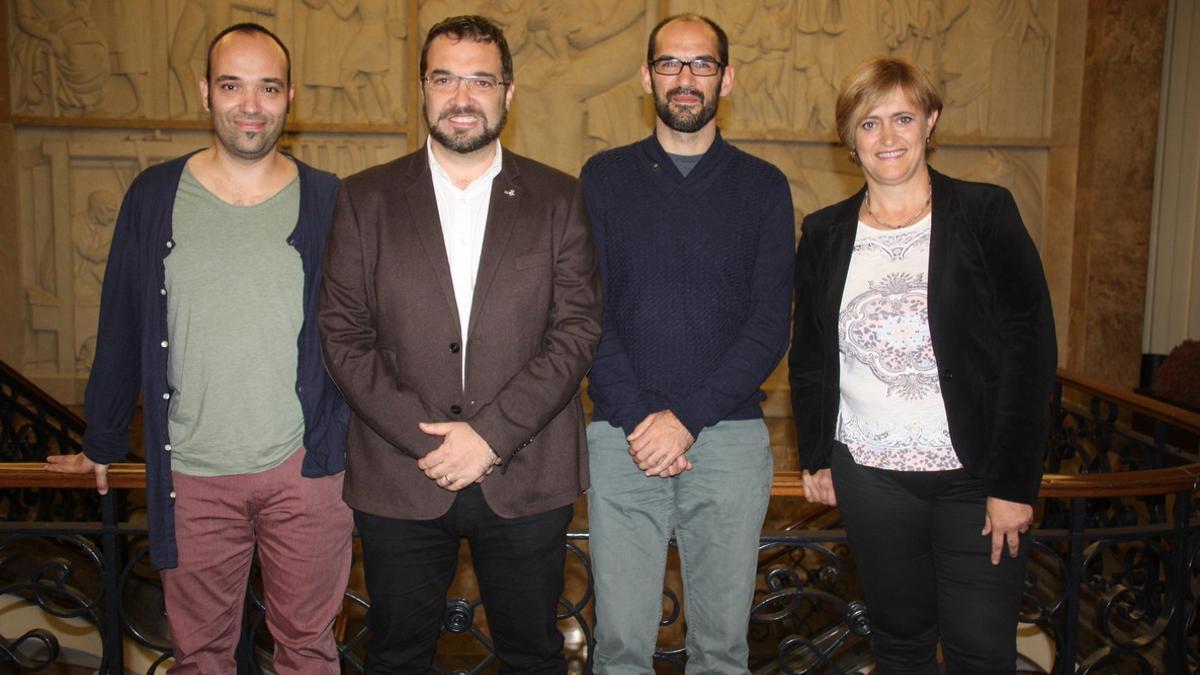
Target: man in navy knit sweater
(695,239)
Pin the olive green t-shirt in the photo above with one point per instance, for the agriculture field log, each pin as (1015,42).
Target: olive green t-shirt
(234,309)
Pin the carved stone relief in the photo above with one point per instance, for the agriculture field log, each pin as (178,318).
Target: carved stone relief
(351,56)
(72,184)
(341,154)
(576,67)
(991,57)
(129,59)
(71,187)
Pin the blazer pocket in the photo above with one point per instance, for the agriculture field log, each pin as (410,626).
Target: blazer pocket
(535,259)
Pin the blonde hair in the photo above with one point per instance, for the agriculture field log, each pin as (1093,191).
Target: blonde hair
(869,84)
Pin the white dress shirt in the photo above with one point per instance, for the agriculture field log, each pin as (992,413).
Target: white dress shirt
(463,213)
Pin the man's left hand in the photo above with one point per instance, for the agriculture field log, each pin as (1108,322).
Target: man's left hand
(462,458)
(1006,521)
(658,441)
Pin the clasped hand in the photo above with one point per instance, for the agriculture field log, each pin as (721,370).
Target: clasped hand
(658,445)
(463,457)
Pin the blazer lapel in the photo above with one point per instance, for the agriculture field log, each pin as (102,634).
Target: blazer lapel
(502,218)
(841,248)
(945,212)
(422,205)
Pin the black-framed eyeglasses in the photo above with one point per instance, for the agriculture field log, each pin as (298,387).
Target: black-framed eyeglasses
(446,83)
(700,67)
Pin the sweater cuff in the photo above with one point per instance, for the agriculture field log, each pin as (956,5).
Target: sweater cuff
(692,418)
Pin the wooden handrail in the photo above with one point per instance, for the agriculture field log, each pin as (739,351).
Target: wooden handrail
(785,483)
(132,476)
(1179,417)
(124,476)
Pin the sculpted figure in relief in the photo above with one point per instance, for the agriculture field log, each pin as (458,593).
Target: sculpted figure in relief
(995,51)
(570,55)
(761,51)
(60,61)
(186,43)
(91,235)
(368,57)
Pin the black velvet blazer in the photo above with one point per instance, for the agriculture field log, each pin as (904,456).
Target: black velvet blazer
(989,319)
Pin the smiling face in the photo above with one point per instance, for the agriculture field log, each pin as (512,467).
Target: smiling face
(465,119)
(684,102)
(248,95)
(890,140)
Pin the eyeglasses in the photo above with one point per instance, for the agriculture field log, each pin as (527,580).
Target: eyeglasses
(701,67)
(446,83)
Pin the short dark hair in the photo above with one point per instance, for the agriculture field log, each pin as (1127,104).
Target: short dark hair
(247,27)
(479,29)
(722,38)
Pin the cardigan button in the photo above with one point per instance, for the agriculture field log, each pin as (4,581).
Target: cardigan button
(172,494)
(167,447)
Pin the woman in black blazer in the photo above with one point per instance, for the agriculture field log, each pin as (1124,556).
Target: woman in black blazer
(921,368)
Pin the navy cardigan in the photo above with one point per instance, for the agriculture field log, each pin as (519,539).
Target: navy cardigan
(131,356)
(989,319)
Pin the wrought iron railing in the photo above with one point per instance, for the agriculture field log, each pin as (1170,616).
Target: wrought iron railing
(1112,582)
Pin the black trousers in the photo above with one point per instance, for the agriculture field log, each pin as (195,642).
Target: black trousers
(926,570)
(409,565)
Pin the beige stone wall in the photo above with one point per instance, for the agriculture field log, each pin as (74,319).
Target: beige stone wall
(92,91)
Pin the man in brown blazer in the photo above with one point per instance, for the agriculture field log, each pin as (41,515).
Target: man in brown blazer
(460,310)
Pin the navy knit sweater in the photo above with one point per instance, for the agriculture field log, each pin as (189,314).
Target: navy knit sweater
(697,278)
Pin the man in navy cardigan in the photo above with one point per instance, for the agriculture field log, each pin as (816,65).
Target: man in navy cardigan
(695,239)
(209,311)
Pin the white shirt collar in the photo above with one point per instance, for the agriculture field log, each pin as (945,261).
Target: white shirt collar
(484,178)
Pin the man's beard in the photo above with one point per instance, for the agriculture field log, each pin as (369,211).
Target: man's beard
(463,143)
(685,122)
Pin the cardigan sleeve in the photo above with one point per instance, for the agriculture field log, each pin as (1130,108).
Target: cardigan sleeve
(112,389)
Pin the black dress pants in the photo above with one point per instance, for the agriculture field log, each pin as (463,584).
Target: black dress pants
(926,570)
(409,565)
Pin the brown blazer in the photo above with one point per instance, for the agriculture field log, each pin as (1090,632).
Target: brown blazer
(390,330)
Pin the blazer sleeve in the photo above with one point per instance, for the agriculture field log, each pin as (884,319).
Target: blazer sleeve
(541,389)
(806,357)
(348,331)
(1028,354)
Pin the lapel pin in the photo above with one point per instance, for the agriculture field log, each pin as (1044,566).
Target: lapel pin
(510,192)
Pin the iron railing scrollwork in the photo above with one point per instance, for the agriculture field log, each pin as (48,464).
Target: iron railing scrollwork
(1112,583)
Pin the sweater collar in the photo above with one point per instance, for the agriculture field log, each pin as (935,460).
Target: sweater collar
(659,163)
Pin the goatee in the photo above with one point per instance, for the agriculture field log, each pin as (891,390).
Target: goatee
(685,122)
(462,143)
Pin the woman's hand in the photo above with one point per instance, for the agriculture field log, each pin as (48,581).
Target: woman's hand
(818,487)
(1005,520)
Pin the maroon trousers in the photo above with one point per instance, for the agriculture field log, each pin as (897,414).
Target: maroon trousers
(302,531)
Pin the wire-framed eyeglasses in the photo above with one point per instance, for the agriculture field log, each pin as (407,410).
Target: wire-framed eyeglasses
(700,67)
(446,83)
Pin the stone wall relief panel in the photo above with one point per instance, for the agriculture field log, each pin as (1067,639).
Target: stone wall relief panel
(577,68)
(141,59)
(72,183)
(992,59)
(84,58)
(350,58)
(344,154)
